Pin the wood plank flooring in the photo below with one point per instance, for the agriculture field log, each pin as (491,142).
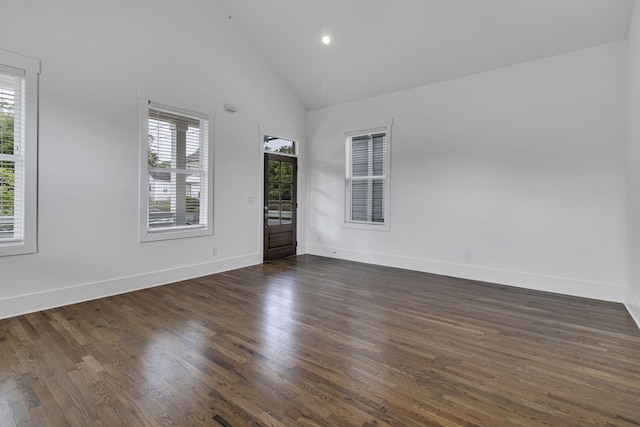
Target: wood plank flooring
(311,341)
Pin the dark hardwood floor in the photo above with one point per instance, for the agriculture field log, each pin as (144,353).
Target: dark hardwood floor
(310,341)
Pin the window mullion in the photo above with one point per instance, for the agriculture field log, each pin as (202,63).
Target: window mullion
(370,182)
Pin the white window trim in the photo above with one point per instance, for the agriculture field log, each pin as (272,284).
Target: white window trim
(31,68)
(146,235)
(363,225)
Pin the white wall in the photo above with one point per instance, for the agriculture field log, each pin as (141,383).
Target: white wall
(523,166)
(633,295)
(95,56)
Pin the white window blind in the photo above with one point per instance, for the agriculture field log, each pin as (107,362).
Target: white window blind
(12,155)
(177,170)
(366,178)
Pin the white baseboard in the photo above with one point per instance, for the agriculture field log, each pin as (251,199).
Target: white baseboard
(632,302)
(29,303)
(560,285)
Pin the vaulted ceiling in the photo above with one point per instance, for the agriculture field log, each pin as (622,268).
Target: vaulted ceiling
(382,46)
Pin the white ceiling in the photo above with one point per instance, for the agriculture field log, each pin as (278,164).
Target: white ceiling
(382,46)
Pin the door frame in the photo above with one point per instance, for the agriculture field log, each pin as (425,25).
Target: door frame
(261,202)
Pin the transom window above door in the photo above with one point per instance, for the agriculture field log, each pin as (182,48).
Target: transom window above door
(279,145)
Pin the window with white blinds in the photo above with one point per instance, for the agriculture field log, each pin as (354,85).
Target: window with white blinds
(178,194)
(367,178)
(18,151)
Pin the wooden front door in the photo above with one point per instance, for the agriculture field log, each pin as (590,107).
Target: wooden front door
(279,206)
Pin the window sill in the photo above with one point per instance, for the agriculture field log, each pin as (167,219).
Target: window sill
(366,226)
(175,233)
(9,248)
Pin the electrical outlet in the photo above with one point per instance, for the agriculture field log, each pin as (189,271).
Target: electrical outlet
(250,200)
(467,254)
(214,251)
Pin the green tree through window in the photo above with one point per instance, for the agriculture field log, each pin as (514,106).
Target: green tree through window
(7,175)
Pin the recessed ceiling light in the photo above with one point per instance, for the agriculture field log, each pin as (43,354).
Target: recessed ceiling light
(326,39)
